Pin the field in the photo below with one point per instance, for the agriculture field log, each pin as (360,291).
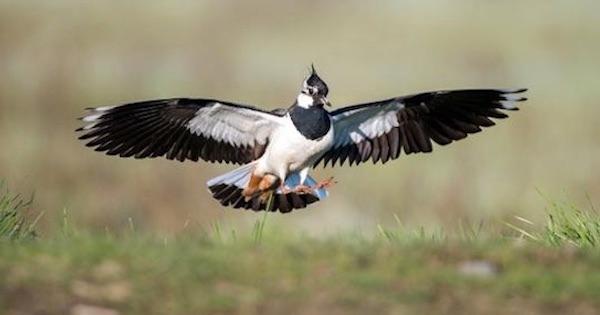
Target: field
(551,269)
(501,222)
(199,275)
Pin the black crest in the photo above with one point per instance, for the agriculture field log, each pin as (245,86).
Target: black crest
(315,82)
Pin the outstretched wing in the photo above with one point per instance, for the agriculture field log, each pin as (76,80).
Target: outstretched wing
(180,128)
(379,130)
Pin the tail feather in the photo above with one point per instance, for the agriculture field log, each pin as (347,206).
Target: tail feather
(227,189)
(238,177)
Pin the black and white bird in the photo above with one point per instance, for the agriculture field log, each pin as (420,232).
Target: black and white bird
(278,148)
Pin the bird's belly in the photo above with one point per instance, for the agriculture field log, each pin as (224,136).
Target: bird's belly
(289,151)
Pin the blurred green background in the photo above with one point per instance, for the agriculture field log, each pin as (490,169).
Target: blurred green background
(58,57)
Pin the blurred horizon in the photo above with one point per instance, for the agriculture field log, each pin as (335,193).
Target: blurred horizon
(60,57)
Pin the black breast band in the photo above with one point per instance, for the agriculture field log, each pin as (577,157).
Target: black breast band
(313,123)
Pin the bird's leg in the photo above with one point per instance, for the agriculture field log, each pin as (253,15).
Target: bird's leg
(266,186)
(260,185)
(253,187)
(268,182)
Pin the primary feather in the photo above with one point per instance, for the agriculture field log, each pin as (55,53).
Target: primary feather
(381,130)
(181,129)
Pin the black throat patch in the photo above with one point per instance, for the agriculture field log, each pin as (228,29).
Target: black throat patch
(313,122)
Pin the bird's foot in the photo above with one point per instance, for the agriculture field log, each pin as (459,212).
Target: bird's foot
(300,189)
(325,183)
(284,189)
(249,194)
(248,197)
(260,187)
(263,196)
(303,189)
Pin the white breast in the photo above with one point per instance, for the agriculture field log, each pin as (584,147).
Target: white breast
(289,151)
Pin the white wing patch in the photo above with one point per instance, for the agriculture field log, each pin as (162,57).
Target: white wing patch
(380,130)
(365,123)
(237,126)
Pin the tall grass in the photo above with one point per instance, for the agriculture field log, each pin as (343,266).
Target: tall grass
(569,224)
(566,224)
(14,224)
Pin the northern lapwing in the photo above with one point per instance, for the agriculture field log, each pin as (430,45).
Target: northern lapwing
(278,148)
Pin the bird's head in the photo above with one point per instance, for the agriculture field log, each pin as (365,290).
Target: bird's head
(314,91)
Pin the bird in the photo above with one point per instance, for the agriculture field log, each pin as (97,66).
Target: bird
(276,149)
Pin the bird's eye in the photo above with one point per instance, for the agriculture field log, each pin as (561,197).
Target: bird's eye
(311,90)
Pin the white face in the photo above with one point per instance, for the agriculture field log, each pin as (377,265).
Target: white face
(304,100)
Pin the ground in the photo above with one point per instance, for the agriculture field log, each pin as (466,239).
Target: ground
(266,271)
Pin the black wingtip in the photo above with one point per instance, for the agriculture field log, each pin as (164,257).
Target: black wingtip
(515,91)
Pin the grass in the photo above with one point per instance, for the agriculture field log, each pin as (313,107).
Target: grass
(566,224)
(13,222)
(549,269)
(199,274)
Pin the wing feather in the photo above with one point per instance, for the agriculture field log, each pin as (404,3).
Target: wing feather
(181,129)
(381,130)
